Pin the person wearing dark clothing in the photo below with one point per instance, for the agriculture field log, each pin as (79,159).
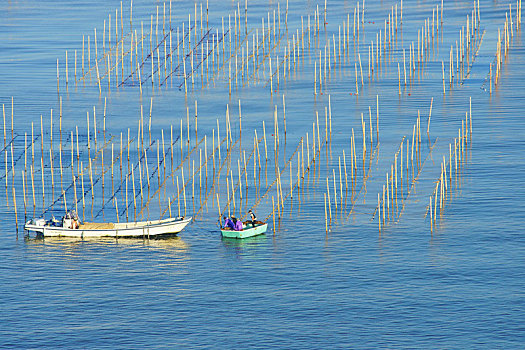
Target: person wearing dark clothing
(228,223)
(253,218)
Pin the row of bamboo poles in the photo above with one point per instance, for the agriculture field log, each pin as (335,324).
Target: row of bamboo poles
(125,168)
(383,48)
(95,149)
(510,28)
(220,49)
(264,48)
(406,174)
(345,195)
(88,174)
(457,158)
(297,41)
(134,164)
(400,180)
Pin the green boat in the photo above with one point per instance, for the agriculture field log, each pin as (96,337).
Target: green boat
(247,231)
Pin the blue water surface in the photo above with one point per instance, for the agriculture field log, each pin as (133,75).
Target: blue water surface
(461,287)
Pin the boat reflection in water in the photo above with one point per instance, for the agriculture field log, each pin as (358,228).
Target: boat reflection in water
(169,255)
(246,247)
(169,243)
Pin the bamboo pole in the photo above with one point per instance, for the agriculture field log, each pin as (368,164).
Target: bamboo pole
(265,145)
(58,80)
(183,190)
(273,214)
(364,135)
(178,198)
(388,195)
(81,173)
(14,205)
(325,214)
(430,115)
(41,161)
(134,193)
(443,69)
(431,216)
(329,200)
(284,115)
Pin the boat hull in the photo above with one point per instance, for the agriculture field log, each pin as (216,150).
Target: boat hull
(245,233)
(132,229)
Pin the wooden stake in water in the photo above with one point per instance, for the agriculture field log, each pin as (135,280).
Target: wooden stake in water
(431,216)
(58,80)
(429,115)
(399,79)
(379,212)
(14,205)
(325,214)
(443,69)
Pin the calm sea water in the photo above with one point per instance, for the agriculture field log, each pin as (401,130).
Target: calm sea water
(462,287)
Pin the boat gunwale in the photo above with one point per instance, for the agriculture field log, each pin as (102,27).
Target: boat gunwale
(259,224)
(160,223)
(229,233)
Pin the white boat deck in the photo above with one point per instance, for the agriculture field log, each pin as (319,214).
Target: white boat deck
(125,229)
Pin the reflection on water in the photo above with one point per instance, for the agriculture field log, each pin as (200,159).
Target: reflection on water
(167,241)
(71,246)
(244,247)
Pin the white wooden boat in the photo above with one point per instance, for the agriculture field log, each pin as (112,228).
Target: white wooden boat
(107,229)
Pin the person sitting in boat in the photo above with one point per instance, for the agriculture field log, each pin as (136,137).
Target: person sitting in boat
(252,217)
(53,222)
(228,223)
(237,224)
(70,220)
(75,220)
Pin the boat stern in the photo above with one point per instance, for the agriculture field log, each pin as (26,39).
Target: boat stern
(35,225)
